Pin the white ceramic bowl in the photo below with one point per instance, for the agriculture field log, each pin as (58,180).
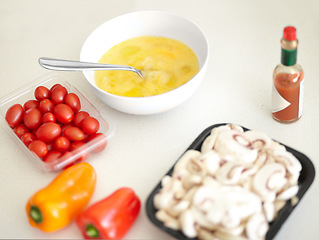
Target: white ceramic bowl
(146,23)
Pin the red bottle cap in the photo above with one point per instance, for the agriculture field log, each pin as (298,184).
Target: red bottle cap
(290,33)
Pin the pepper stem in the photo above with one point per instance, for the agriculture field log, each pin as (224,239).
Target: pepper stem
(91,231)
(35,214)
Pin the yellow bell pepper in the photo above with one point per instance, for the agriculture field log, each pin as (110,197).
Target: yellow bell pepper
(56,205)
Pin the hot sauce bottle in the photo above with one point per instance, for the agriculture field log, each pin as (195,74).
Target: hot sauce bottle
(288,83)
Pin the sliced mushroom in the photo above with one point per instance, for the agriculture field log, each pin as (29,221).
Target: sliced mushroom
(187,223)
(209,200)
(192,181)
(209,142)
(196,167)
(178,208)
(163,200)
(206,234)
(167,219)
(243,202)
(230,172)
(231,234)
(288,193)
(202,221)
(236,145)
(259,140)
(183,161)
(268,180)
(257,227)
(235,127)
(166,180)
(269,210)
(275,146)
(289,160)
(211,161)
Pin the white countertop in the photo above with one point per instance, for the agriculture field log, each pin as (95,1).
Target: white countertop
(244,38)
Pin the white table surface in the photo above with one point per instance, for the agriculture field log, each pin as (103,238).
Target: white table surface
(244,38)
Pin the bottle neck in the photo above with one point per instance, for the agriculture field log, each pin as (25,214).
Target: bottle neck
(288,56)
(289,52)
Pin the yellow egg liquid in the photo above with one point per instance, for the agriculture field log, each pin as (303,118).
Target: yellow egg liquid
(165,63)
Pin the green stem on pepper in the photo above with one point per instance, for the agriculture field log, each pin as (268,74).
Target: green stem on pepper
(36,214)
(91,231)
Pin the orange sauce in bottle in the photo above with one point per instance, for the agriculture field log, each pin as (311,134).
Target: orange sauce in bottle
(289,87)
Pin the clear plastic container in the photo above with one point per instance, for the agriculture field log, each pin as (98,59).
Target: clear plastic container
(25,93)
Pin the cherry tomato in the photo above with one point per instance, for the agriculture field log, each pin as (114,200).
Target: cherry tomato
(39,148)
(63,113)
(58,94)
(79,117)
(79,149)
(48,117)
(90,125)
(27,138)
(14,115)
(99,142)
(41,93)
(48,132)
(65,126)
(46,105)
(54,86)
(32,118)
(31,104)
(73,101)
(52,156)
(74,134)
(20,130)
(62,144)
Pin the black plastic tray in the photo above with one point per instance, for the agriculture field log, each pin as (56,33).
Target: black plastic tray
(306,178)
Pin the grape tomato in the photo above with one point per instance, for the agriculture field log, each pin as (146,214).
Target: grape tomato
(41,93)
(20,130)
(48,132)
(62,144)
(73,101)
(46,105)
(48,117)
(32,118)
(63,113)
(39,148)
(90,125)
(58,94)
(54,86)
(74,134)
(14,115)
(30,104)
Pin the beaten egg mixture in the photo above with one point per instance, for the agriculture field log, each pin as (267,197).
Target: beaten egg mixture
(165,63)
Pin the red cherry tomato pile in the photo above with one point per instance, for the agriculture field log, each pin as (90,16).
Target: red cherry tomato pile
(53,125)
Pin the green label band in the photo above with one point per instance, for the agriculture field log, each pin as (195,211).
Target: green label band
(288,56)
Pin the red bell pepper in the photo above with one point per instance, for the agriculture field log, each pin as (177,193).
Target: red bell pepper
(110,218)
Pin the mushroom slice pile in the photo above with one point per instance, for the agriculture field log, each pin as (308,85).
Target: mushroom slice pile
(231,189)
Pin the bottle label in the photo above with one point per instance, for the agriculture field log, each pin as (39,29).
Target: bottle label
(301,98)
(278,102)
